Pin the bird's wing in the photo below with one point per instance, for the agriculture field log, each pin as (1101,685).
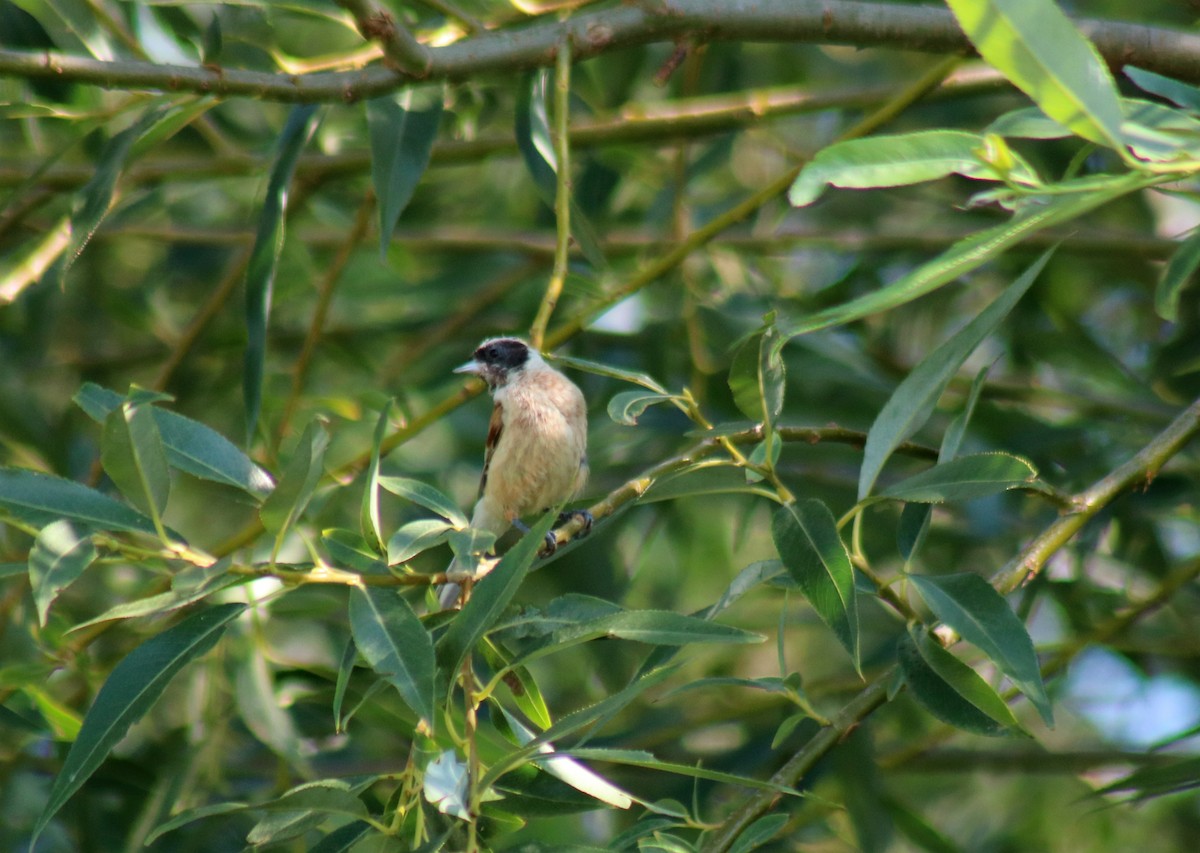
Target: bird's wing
(495,428)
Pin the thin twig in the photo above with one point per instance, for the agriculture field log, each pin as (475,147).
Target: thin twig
(562,195)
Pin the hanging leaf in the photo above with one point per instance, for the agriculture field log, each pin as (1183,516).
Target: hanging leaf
(133,456)
(808,542)
(289,500)
(401,143)
(981,616)
(395,644)
(427,496)
(757,378)
(952,692)
(914,399)
(537,150)
(135,685)
(58,557)
(1036,46)
(264,258)
(368,516)
(1177,275)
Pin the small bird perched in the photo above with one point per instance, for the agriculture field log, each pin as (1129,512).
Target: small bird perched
(536,451)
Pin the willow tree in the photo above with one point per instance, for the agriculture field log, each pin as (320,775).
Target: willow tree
(884,319)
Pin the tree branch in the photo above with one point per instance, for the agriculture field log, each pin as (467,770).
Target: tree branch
(924,28)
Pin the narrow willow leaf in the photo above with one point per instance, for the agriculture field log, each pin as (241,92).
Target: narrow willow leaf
(96,197)
(368,516)
(705,478)
(808,542)
(191,446)
(571,771)
(133,456)
(962,679)
(182,594)
(395,644)
(757,377)
(1027,123)
(190,815)
(416,536)
(640,758)
(304,808)
(1177,275)
(537,150)
(917,830)
(488,600)
(427,496)
(899,160)
(132,689)
(657,627)
(981,616)
(289,500)
(626,407)
(963,479)
(1036,46)
(970,253)
(345,670)
(1151,782)
(58,557)
(633,377)
(1179,93)
(914,518)
(914,399)
(577,721)
(344,838)
(759,833)
(262,714)
(937,697)
(521,683)
(264,258)
(39,499)
(401,142)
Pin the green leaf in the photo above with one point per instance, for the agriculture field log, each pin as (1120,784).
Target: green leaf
(537,150)
(39,499)
(657,627)
(488,600)
(626,407)
(344,671)
(900,160)
(304,808)
(96,197)
(1151,782)
(962,679)
(1181,94)
(964,479)
(969,253)
(287,503)
(395,644)
(917,830)
(914,399)
(401,143)
(633,377)
(1027,123)
(416,536)
(133,456)
(1176,276)
(808,542)
(759,833)
(640,758)
(981,616)
(190,815)
(135,685)
(368,516)
(427,496)
(264,258)
(757,378)
(262,714)
(1034,45)
(191,446)
(521,683)
(710,477)
(941,698)
(58,557)
(213,579)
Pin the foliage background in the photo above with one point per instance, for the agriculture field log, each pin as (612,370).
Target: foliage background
(683,141)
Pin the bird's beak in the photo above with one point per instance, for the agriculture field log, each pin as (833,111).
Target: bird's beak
(470,367)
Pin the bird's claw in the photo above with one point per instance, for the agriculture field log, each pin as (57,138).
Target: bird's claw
(582,514)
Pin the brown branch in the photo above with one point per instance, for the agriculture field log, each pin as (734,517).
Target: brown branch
(400,49)
(1167,51)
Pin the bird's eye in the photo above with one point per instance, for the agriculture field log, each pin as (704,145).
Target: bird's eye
(489,353)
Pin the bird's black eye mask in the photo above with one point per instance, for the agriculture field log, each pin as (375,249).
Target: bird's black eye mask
(503,355)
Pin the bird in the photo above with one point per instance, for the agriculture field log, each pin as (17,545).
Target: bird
(536,450)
